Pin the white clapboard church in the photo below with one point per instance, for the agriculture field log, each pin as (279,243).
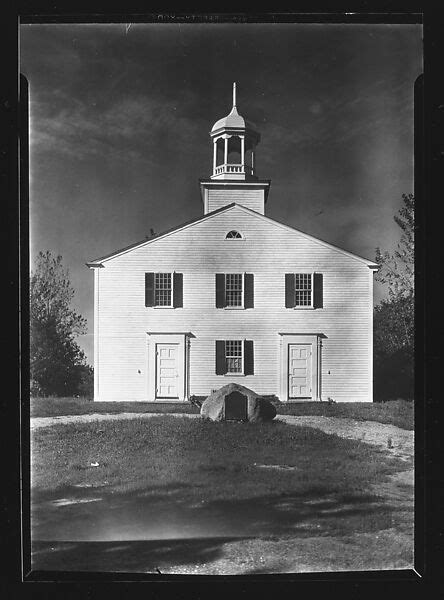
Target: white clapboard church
(233,296)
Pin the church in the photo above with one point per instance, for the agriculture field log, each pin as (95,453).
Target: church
(233,296)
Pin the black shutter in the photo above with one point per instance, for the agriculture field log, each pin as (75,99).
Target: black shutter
(318,291)
(178,290)
(221,363)
(289,290)
(149,289)
(248,357)
(220,290)
(249,290)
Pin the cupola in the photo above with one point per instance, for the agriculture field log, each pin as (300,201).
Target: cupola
(234,179)
(234,144)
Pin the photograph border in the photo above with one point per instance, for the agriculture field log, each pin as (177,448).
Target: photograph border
(424,149)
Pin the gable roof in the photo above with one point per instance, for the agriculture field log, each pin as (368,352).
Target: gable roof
(95,263)
(98,261)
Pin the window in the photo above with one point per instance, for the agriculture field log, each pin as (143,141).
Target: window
(233,289)
(163,289)
(234,356)
(303,289)
(233,235)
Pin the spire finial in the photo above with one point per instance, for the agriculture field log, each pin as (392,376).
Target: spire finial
(234,95)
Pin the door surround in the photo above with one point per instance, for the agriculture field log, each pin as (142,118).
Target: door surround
(182,340)
(285,340)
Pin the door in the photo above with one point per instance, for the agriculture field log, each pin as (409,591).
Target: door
(299,371)
(166,371)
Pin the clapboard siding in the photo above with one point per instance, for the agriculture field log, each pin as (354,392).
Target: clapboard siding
(253,199)
(268,251)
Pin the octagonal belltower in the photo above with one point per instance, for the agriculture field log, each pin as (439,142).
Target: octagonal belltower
(234,145)
(234,176)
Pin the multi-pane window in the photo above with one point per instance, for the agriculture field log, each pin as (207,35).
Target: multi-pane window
(303,289)
(163,289)
(233,289)
(233,235)
(233,356)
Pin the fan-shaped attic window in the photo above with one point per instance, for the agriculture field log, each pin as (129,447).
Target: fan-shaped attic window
(233,235)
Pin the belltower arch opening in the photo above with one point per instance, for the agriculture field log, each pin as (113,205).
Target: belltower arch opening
(234,150)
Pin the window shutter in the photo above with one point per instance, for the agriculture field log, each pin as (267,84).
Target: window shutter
(318,290)
(221,363)
(220,290)
(149,289)
(248,357)
(249,290)
(289,290)
(178,290)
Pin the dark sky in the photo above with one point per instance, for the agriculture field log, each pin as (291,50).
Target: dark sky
(120,121)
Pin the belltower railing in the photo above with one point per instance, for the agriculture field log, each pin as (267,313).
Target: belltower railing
(233,168)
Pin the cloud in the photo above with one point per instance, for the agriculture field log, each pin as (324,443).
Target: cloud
(379,109)
(128,128)
(315,108)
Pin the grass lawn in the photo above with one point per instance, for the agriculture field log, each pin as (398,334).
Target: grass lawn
(395,412)
(193,496)
(56,407)
(205,459)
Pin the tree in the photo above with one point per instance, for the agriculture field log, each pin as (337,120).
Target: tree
(86,384)
(57,362)
(394,316)
(397,270)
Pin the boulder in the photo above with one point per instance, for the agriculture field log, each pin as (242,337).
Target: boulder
(258,409)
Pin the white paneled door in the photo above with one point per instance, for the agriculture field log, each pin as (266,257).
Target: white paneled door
(167,370)
(299,371)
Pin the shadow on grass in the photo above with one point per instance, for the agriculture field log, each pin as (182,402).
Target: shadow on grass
(139,556)
(95,530)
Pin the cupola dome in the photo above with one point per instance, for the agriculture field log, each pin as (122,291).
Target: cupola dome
(233,119)
(234,143)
